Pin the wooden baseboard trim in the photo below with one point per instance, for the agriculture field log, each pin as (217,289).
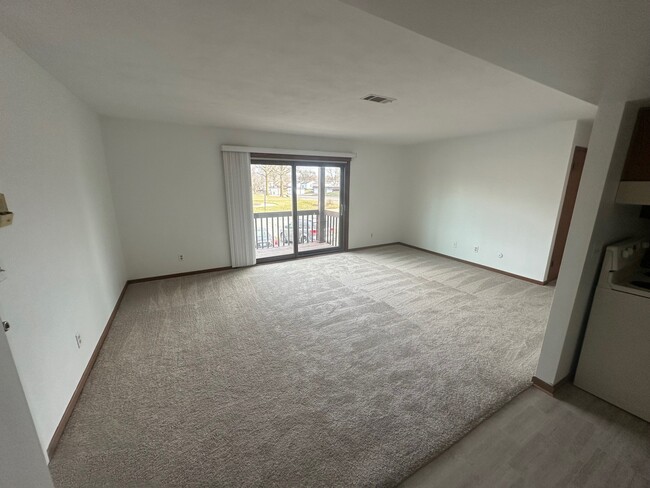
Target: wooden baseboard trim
(178,275)
(363,248)
(54,442)
(511,275)
(51,448)
(548,388)
(278,260)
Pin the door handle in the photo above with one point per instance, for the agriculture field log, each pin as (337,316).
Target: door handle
(5,326)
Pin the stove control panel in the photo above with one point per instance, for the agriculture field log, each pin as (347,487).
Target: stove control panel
(627,252)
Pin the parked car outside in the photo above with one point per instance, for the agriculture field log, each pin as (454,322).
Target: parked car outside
(262,239)
(306,233)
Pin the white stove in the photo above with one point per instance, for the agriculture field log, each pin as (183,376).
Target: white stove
(615,357)
(626,269)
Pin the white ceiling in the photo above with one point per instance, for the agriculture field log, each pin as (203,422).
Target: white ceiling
(588,48)
(297,66)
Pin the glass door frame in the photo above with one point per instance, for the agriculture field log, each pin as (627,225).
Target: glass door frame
(344,198)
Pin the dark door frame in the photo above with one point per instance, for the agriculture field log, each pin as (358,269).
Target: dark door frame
(568,204)
(344,221)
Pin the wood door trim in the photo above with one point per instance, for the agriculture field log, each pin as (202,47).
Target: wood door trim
(566,212)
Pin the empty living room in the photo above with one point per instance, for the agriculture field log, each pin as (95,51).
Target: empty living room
(324,243)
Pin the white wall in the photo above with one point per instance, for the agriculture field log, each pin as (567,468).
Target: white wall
(597,221)
(500,192)
(168,188)
(21,456)
(62,254)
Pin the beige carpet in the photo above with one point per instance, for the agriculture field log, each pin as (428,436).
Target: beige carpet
(344,370)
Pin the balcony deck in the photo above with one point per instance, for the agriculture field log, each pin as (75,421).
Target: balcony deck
(271,252)
(271,229)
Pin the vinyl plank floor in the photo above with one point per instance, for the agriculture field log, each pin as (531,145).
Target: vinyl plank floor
(574,440)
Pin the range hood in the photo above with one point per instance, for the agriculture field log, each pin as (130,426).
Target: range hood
(633,192)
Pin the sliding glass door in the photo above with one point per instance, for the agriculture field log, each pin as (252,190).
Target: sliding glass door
(273,209)
(319,207)
(299,207)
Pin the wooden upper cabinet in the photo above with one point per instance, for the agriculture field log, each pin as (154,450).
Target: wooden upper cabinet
(637,165)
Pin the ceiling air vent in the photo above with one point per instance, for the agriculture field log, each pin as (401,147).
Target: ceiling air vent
(378,99)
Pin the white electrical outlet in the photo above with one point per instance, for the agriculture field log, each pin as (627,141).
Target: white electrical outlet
(475,248)
(181,257)
(78,339)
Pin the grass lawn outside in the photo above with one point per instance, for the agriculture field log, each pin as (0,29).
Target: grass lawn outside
(283,204)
